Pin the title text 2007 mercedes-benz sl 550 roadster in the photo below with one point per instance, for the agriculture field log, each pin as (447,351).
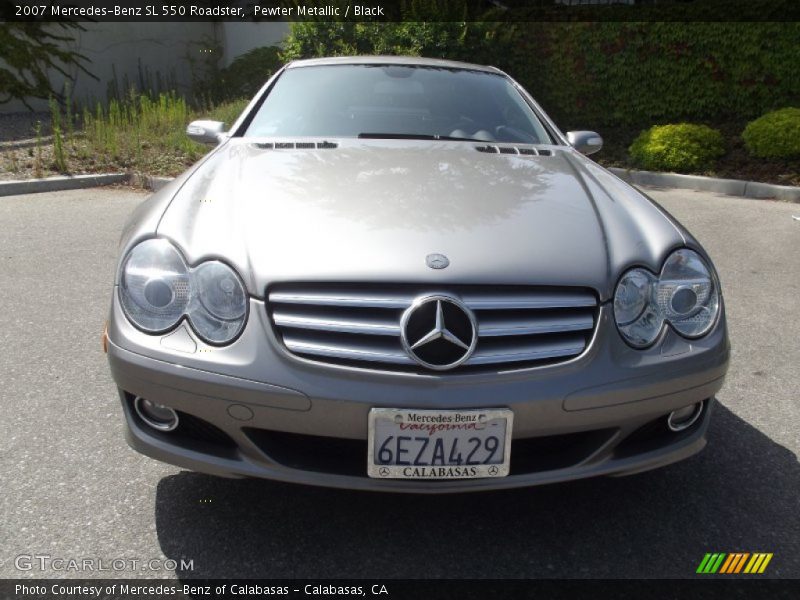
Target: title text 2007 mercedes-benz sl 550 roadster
(398,274)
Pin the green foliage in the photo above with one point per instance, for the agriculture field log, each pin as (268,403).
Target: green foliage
(589,75)
(681,147)
(227,112)
(59,156)
(248,72)
(469,41)
(37,163)
(140,132)
(29,50)
(636,73)
(775,135)
(243,78)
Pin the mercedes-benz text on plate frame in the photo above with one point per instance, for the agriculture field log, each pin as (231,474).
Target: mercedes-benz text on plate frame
(453,444)
(398,274)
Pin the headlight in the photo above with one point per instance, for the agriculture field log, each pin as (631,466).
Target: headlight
(158,288)
(221,306)
(154,287)
(685,294)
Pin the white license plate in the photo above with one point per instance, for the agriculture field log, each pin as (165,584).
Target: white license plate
(439,444)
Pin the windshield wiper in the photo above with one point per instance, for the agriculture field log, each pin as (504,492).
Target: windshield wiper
(415,136)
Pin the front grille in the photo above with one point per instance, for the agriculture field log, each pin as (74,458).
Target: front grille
(518,326)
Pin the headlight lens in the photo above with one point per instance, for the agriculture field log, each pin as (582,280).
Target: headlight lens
(634,309)
(155,289)
(221,302)
(158,288)
(687,294)
(684,294)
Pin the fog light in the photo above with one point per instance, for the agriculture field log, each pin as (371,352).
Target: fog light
(156,415)
(685,417)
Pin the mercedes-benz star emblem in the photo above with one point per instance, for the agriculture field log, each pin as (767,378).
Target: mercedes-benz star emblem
(437,261)
(384,471)
(439,332)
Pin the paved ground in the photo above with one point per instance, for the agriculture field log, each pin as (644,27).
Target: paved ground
(72,488)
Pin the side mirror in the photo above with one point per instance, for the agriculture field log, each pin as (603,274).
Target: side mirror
(206,132)
(585,142)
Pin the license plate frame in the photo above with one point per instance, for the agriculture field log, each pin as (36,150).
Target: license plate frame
(486,419)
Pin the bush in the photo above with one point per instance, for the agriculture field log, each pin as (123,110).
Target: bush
(467,41)
(242,78)
(680,147)
(248,72)
(590,75)
(775,135)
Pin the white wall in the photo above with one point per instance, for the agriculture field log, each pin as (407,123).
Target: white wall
(175,50)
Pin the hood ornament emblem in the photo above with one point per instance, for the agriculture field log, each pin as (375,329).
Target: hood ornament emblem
(437,261)
(439,332)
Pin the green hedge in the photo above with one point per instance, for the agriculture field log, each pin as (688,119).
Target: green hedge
(590,75)
(680,147)
(775,135)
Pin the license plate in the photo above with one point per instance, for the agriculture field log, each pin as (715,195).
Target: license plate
(439,444)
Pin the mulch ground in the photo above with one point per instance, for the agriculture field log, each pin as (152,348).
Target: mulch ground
(735,164)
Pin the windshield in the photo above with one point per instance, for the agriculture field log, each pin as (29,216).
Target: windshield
(389,101)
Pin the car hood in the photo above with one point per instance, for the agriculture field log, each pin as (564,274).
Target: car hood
(372,210)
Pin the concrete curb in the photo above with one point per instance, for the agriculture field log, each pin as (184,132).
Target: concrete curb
(730,187)
(149,182)
(60,182)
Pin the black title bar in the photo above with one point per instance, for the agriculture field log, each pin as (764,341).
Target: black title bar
(708,588)
(399,10)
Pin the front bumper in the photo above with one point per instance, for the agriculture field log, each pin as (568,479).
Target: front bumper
(252,410)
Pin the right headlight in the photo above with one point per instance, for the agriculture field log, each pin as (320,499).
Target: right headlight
(685,294)
(158,288)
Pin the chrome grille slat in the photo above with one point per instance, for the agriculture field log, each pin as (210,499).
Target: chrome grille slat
(359,324)
(341,325)
(494,327)
(343,299)
(300,346)
(522,301)
(533,351)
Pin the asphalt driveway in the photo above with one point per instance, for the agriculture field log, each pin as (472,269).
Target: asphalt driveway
(71,487)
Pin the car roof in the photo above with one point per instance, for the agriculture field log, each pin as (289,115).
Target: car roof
(413,61)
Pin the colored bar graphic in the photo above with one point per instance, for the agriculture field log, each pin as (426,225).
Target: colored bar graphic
(703,563)
(717,564)
(765,563)
(752,564)
(733,563)
(741,562)
(732,558)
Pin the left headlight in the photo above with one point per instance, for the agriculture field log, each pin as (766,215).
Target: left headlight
(158,288)
(685,294)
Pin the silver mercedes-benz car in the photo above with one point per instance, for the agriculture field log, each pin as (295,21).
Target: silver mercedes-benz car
(398,274)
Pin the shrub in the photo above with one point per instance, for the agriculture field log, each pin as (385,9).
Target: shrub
(774,135)
(248,72)
(594,74)
(226,112)
(679,147)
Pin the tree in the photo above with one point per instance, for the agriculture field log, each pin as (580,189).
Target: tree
(29,51)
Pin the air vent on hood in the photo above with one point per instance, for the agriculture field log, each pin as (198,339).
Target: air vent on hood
(296,145)
(490,149)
